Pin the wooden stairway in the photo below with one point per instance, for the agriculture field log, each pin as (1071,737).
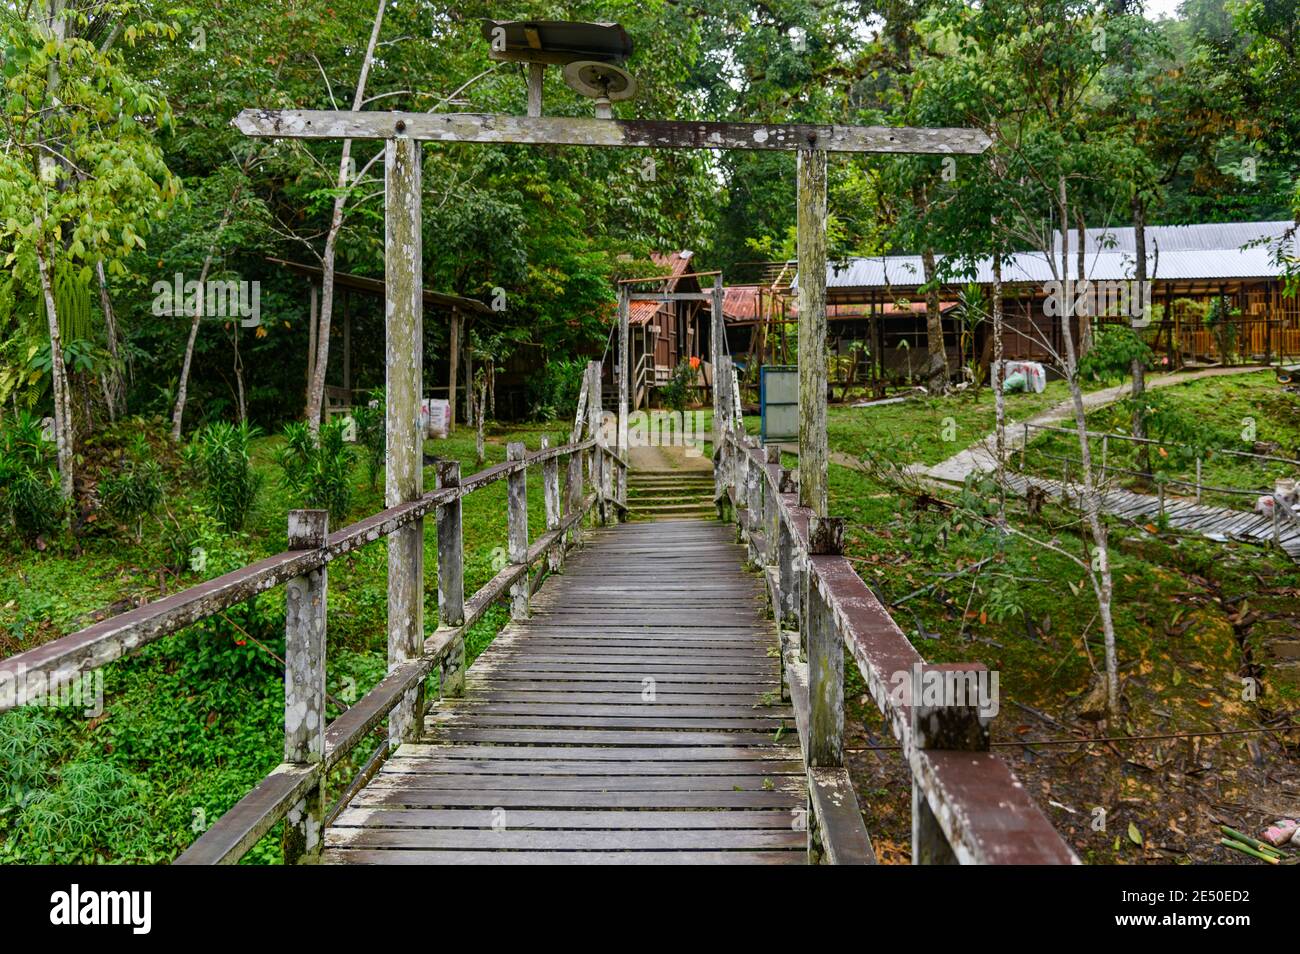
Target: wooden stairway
(672,494)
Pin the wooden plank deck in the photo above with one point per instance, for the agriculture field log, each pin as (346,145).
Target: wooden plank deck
(632,719)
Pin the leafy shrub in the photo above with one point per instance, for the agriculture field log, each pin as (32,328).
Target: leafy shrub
(1189,435)
(29,484)
(554,392)
(219,452)
(318,471)
(135,490)
(677,391)
(371,435)
(1113,352)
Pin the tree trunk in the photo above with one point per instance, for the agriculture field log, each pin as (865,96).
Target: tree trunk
(63,434)
(999,399)
(1100,574)
(1086,317)
(182,386)
(1139,369)
(113,382)
(316,392)
(937,369)
(480,417)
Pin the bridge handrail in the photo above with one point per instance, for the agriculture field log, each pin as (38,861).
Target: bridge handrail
(294,790)
(968,806)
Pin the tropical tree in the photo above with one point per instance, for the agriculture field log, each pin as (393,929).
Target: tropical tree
(81,172)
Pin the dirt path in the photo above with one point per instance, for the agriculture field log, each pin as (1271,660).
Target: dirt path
(667,458)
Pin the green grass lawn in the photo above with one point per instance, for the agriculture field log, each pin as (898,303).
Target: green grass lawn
(1192,617)
(1219,413)
(929,429)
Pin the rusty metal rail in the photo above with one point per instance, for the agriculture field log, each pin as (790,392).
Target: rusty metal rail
(967,805)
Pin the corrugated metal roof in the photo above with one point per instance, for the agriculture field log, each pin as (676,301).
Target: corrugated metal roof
(1174,253)
(640,312)
(740,302)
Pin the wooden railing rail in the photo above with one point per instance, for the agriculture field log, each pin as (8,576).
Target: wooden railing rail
(294,792)
(967,806)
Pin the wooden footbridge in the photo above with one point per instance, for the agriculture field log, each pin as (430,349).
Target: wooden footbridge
(674,692)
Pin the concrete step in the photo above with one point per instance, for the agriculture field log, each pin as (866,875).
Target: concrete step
(674,482)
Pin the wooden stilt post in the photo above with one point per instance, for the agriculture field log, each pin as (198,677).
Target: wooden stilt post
(551,503)
(404,474)
(811,226)
(517,524)
(451,579)
(304,684)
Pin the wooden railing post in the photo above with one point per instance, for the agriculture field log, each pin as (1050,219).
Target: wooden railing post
(551,503)
(825,649)
(954,725)
(787,561)
(574,495)
(304,684)
(724,461)
(404,334)
(517,528)
(742,488)
(754,503)
(771,502)
(595,427)
(451,579)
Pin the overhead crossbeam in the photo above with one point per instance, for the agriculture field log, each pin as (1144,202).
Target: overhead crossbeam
(578,131)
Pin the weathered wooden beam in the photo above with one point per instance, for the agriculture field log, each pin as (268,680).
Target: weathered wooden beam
(451,579)
(595,429)
(239,829)
(517,527)
(811,235)
(305,601)
(581,131)
(624,377)
(670,296)
(404,327)
(551,503)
